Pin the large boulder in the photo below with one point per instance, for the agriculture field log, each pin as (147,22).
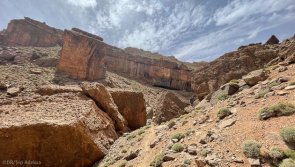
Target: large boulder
(255,76)
(104,100)
(131,105)
(169,106)
(61,130)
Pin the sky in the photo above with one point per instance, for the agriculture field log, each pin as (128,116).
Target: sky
(190,30)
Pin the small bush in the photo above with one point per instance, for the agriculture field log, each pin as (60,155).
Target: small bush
(292,83)
(262,92)
(224,112)
(287,163)
(288,135)
(205,152)
(290,154)
(140,132)
(177,147)
(276,153)
(187,161)
(131,136)
(171,124)
(178,136)
(157,162)
(277,110)
(251,149)
(123,164)
(223,97)
(234,81)
(274,83)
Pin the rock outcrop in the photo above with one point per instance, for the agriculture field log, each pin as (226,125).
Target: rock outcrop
(82,55)
(55,89)
(131,105)
(104,100)
(255,76)
(57,131)
(272,40)
(162,72)
(230,66)
(169,106)
(29,32)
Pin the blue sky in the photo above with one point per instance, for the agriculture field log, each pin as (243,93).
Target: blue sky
(191,30)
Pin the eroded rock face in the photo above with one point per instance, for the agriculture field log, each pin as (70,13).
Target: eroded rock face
(104,100)
(131,105)
(169,106)
(255,76)
(82,56)
(230,66)
(162,72)
(61,130)
(29,32)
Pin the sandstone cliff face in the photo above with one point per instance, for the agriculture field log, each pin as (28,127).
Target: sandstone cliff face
(158,72)
(82,56)
(29,32)
(230,66)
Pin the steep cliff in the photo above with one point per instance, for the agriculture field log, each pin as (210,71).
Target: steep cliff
(29,32)
(82,56)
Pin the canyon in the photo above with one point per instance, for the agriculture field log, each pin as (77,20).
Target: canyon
(67,98)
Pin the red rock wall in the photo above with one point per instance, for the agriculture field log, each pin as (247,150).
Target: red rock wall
(82,57)
(29,32)
(162,73)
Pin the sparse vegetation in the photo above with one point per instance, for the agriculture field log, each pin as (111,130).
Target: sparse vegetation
(287,163)
(171,124)
(223,97)
(262,93)
(109,162)
(292,83)
(224,112)
(141,131)
(234,81)
(274,83)
(146,127)
(123,164)
(290,154)
(187,161)
(205,152)
(178,136)
(131,136)
(276,153)
(277,110)
(157,162)
(177,147)
(288,135)
(251,148)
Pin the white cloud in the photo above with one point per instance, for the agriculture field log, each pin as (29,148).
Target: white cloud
(239,10)
(83,3)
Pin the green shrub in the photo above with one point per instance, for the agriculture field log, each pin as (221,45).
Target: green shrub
(187,161)
(123,164)
(277,110)
(171,124)
(288,135)
(276,153)
(292,83)
(287,163)
(140,132)
(290,154)
(178,136)
(157,162)
(274,83)
(224,112)
(262,92)
(251,149)
(234,81)
(131,136)
(223,97)
(205,152)
(177,147)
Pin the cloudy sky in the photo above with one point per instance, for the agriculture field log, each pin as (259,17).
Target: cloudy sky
(191,30)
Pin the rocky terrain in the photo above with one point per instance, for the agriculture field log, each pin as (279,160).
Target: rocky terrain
(69,99)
